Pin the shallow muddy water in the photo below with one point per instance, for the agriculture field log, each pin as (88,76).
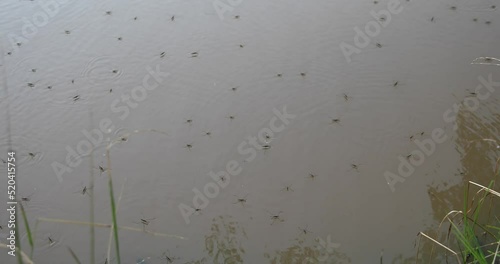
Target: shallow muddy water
(332,126)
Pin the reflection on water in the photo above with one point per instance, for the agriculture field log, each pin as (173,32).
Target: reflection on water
(301,252)
(478,143)
(225,243)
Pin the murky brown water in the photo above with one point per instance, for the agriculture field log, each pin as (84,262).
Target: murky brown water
(82,67)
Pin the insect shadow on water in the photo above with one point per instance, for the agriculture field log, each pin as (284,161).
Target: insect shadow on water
(276,217)
(168,257)
(194,54)
(76,98)
(241,201)
(162,54)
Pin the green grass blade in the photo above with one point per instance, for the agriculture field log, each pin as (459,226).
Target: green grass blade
(113,210)
(28,230)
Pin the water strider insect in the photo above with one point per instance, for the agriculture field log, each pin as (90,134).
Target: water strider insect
(265,147)
(119,38)
(145,222)
(279,75)
(194,54)
(346,97)
(26,199)
(304,230)
(51,241)
(237,17)
(474,19)
(109,13)
(378,45)
(189,121)
(33,70)
(267,137)
(231,117)
(49,87)
(168,258)
(83,191)
(382,18)
(33,154)
(162,54)
(111,90)
(432,19)
(73,81)
(334,121)
(241,46)
(135,18)
(453,8)
(487,22)
(189,146)
(242,201)
(101,170)
(276,217)
(493,6)
(19,44)
(67,32)
(395,84)
(115,71)
(31,85)
(172,18)
(355,167)
(9,53)
(234,89)
(311,176)
(76,98)
(375,2)
(287,188)
(222,178)
(303,74)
